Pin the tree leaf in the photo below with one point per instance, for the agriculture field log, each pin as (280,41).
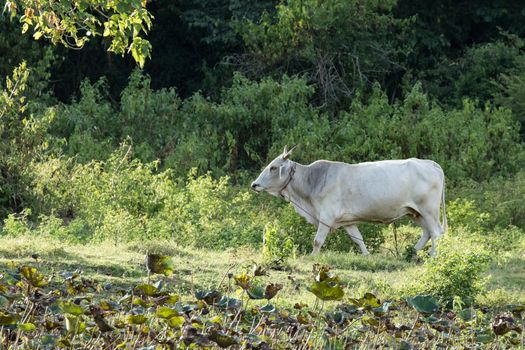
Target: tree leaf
(222,339)
(467,314)
(74,324)
(7,319)
(383,309)
(425,304)
(229,303)
(256,292)
(146,289)
(484,338)
(209,296)
(268,308)
(370,300)
(136,319)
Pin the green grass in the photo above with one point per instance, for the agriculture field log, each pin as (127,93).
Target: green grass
(196,269)
(109,275)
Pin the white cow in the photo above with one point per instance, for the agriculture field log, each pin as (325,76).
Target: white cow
(330,194)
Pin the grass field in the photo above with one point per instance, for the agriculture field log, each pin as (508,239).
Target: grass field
(62,311)
(124,265)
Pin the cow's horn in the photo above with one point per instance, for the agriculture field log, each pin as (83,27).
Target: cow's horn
(287,153)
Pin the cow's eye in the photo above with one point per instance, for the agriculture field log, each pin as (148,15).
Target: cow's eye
(273,168)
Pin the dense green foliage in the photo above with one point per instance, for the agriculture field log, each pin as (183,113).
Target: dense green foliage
(72,24)
(94,149)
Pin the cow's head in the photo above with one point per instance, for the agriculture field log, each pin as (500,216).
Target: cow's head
(276,175)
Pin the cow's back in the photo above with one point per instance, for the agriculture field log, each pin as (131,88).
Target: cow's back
(381,190)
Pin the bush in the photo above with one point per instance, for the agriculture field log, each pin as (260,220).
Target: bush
(512,93)
(335,43)
(482,67)
(468,143)
(253,120)
(17,224)
(455,272)
(276,243)
(24,138)
(464,213)
(291,227)
(123,199)
(501,197)
(479,74)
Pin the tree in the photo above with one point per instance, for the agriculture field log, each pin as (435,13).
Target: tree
(73,23)
(340,45)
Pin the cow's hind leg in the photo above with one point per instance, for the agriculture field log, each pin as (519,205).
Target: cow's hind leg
(425,236)
(322,232)
(431,230)
(356,236)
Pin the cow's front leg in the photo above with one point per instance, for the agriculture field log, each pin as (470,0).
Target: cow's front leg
(322,232)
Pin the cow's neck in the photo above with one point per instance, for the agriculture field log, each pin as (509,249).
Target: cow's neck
(296,191)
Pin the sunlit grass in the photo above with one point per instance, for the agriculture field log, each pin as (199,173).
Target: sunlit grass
(196,269)
(116,270)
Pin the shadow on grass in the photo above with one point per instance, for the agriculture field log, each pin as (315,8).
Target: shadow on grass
(514,276)
(161,247)
(122,266)
(349,261)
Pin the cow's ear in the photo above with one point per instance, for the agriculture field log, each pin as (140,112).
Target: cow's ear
(286,153)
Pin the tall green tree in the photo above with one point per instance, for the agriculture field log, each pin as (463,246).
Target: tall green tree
(451,43)
(340,45)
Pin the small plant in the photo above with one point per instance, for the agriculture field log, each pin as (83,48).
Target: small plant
(456,272)
(17,224)
(276,244)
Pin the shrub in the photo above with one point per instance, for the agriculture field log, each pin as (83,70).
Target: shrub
(332,42)
(464,213)
(482,66)
(17,224)
(455,272)
(24,138)
(291,227)
(468,143)
(501,197)
(254,119)
(483,72)
(276,243)
(504,198)
(123,199)
(512,93)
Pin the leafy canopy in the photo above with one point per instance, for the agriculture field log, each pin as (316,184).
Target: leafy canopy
(73,23)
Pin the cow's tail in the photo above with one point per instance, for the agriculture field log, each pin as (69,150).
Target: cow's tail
(444,224)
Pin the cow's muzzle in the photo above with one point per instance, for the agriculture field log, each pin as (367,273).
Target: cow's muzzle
(256,187)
